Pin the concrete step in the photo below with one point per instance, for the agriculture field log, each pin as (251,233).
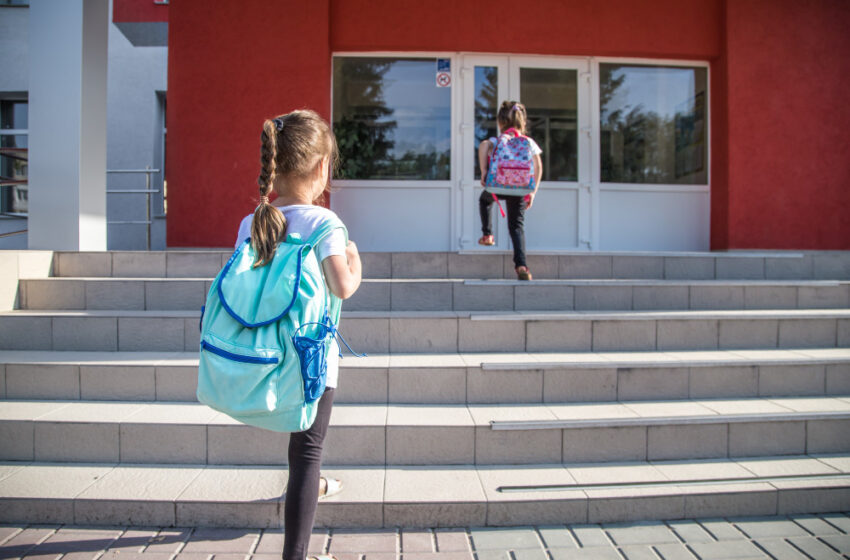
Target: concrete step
(454,331)
(779,265)
(461,295)
(452,378)
(142,432)
(398,496)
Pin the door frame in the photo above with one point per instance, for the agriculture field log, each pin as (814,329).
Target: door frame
(466,214)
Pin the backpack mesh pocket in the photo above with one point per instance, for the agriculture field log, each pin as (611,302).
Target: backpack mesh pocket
(314,363)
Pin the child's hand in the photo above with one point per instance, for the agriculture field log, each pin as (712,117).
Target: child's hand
(529,199)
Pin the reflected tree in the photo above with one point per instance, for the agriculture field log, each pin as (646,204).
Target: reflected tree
(362,123)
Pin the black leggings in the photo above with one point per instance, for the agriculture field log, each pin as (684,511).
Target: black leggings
(302,489)
(516,221)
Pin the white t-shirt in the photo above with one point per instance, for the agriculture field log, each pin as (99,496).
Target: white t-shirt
(304,219)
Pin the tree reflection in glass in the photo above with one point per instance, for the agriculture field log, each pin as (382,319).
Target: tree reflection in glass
(390,119)
(653,123)
(486,108)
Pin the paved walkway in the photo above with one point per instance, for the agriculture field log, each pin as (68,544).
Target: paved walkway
(796,536)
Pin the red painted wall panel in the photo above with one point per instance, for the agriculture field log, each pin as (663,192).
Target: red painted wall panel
(233,63)
(789,124)
(138,11)
(229,67)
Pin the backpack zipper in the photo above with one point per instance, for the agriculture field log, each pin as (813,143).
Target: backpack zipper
(236,357)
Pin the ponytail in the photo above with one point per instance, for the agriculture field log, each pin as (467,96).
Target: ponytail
(269,226)
(512,115)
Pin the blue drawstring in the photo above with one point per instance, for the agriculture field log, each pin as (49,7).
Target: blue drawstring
(334,332)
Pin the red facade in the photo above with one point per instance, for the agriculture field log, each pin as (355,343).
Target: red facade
(780,127)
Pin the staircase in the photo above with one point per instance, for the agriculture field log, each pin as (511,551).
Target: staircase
(613,387)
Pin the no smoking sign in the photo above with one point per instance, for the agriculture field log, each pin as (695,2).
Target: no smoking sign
(444,72)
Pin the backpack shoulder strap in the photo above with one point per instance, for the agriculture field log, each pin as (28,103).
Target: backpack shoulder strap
(324,230)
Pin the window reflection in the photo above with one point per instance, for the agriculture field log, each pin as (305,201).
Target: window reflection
(390,119)
(550,98)
(653,123)
(486,108)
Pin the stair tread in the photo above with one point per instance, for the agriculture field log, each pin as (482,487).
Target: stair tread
(445,415)
(486,360)
(481,315)
(404,484)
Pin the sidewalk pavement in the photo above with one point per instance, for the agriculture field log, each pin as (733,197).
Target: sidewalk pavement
(795,536)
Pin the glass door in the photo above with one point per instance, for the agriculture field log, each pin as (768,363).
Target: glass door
(556,94)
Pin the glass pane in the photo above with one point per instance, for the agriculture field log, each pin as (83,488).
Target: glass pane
(653,122)
(551,101)
(486,107)
(391,119)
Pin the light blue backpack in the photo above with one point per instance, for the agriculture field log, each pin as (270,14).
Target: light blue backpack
(265,334)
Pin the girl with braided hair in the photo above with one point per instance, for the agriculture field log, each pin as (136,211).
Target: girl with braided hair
(298,153)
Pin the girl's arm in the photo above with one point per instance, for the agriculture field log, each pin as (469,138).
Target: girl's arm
(538,174)
(343,273)
(484,158)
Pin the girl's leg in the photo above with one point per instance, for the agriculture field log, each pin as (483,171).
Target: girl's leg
(516,226)
(302,490)
(485,204)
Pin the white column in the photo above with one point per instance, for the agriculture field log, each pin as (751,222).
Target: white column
(67,124)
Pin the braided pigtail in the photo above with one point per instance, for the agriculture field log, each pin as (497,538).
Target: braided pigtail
(269,226)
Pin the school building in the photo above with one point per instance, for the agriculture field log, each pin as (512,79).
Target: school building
(666,125)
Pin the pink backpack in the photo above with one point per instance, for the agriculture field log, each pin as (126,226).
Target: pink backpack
(511,168)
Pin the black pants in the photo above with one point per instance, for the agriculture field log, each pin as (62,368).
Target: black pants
(516,221)
(302,490)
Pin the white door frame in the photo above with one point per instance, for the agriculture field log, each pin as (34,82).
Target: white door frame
(467,220)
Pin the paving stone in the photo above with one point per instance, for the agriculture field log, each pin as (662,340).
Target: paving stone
(584,445)
(168,541)
(766,438)
(591,553)
(85,333)
(175,294)
(364,541)
(644,267)
(514,538)
(689,531)
(367,334)
(840,543)
(417,540)
(780,549)
(640,533)
(838,379)
(419,265)
(590,536)
(796,380)
(504,386)
(83,264)
(557,537)
(599,298)
(112,382)
(689,268)
(24,540)
(192,264)
(740,268)
(822,297)
(423,334)
(139,334)
(26,333)
(815,548)
(768,527)
(674,552)
(529,554)
(132,540)
(76,539)
(838,520)
(719,382)
(138,264)
(53,294)
(721,529)
(727,549)
(686,441)
(474,266)
(814,525)
(827,436)
(451,540)
(176,383)
(615,505)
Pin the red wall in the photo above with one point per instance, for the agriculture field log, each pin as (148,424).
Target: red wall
(779,173)
(789,124)
(138,11)
(229,68)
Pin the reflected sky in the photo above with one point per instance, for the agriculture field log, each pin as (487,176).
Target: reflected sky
(421,109)
(661,90)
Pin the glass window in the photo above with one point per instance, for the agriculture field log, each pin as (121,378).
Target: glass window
(550,98)
(486,108)
(391,119)
(13,156)
(653,123)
